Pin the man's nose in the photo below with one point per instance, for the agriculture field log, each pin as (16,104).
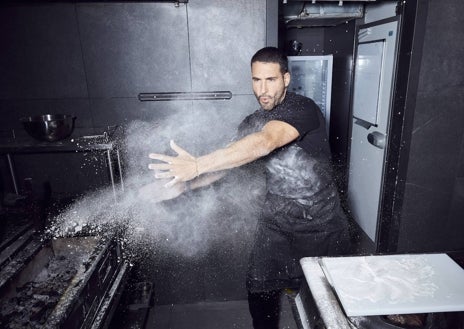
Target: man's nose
(263,88)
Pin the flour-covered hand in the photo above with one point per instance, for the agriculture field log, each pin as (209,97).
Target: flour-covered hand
(180,168)
(157,191)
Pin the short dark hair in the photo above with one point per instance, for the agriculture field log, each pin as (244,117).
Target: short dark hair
(271,55)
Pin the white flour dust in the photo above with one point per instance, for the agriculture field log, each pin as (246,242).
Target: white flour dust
(224,212)
(382,279)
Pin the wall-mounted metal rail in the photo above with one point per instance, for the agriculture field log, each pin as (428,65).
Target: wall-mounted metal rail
(176,96)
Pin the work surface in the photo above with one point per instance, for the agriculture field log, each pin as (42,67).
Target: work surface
(395,284)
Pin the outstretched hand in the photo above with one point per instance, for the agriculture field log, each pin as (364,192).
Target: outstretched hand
(180,168)
(157,191)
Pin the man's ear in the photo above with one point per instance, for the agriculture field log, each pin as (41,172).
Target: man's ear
(287,79)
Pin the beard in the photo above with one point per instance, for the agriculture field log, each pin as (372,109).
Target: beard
(268,102)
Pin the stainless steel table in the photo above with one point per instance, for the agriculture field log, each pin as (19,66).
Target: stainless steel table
(80,144)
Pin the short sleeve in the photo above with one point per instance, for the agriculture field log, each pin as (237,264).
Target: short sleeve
(300,113)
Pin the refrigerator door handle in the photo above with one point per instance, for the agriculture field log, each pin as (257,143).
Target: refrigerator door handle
(363,123)
(377,139)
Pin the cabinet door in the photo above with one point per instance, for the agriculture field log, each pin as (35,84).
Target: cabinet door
(224,35)
(129,48)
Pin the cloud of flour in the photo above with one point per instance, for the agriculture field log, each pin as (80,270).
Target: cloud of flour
(224,212)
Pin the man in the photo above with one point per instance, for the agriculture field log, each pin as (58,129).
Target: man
(301,214)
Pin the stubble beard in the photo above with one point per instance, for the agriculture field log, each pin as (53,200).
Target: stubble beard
(272,101)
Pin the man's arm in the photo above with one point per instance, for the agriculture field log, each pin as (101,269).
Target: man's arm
(185,167)
(157,190)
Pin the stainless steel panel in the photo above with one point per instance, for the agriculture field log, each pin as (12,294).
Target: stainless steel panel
(129,48)
(115,111)
(214,123)
(223,37)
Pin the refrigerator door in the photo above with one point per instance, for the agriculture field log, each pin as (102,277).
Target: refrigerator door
(374,67)
(311,76)
(368,71)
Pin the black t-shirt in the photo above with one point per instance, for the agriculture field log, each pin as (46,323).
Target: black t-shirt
(300,112)
(300,170)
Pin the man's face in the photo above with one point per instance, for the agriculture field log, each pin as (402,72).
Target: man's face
(269,84)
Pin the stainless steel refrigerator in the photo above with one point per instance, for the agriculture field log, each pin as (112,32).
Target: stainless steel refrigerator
(371,104)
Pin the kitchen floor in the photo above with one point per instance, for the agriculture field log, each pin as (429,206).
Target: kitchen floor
(211,315)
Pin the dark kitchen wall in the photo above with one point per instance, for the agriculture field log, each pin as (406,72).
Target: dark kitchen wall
(92,60)
(432,216)
(338,41)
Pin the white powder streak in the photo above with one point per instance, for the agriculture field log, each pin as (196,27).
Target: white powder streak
(188,225)
(382,279)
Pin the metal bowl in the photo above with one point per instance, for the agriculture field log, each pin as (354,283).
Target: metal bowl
(49,127)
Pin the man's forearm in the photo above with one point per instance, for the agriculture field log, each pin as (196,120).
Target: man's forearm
(244,151)
(205,180)
(185,167)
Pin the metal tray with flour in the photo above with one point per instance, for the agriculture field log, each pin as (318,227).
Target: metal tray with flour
(396,284)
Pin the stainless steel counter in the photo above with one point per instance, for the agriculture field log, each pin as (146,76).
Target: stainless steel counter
(103,143)
(318,307)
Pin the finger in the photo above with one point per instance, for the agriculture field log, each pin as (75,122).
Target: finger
(160,157)
(172,182)
(179,150)
(164,174)
(159,166)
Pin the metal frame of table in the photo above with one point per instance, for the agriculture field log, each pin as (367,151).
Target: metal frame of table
(81,145)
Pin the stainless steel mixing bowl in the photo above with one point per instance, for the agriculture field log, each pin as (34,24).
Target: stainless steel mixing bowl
(49,127)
